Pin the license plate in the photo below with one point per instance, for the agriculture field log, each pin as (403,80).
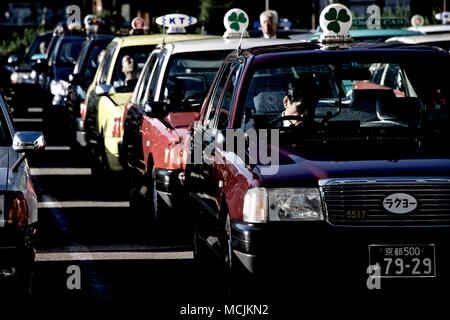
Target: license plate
(404,261)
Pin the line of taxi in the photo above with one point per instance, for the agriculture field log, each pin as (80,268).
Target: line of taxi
(361,177)
(111,88)
(325,160)
(166,102)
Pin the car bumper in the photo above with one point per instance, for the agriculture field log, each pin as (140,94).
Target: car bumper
(316,250)
(21,93)
(168,185)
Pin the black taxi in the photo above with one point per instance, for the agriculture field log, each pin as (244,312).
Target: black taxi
(356,193)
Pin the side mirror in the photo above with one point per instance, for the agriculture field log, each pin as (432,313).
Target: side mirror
(75,79)
(156,109)
(13,59)
(104,89)
(28,141)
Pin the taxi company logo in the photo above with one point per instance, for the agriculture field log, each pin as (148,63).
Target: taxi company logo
(176,20)
(400,203)
(236,23)
(236,18)
(336,18)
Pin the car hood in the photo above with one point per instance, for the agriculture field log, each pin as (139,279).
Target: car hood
(4,167)
(295,165)
(25,67)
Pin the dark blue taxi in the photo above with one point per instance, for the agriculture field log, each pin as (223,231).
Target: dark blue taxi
(359,194)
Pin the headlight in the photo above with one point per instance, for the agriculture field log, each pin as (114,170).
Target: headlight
(255,205)
(59,87)
(295,204)
(282,204)
(23,77)
(14,77)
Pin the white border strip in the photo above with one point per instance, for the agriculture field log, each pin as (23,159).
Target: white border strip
(57,148)
(83,204)
(61,171)
(102,256)
(23,120)
(35,110)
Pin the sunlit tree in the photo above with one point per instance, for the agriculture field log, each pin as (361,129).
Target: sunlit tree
(212,12)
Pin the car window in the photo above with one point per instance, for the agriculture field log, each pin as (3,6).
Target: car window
(94,57)
(38,46)
(144,80)
(128,65)
(82,56)
(106,63)
(208,121)
(150,91)
(51,47)
(5,136)
(189,77)
(227,100)
(68,51)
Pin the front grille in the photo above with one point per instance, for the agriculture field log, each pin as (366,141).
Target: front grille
(364,198)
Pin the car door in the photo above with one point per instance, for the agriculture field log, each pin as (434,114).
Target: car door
(204,156)
(132,140)
(92,133)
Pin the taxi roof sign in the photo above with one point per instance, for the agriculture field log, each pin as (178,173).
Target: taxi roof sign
(236,22)
(176,22)
(443,16)
(335,21)
(417,20)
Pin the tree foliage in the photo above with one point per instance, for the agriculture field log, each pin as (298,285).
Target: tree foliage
(18,42)
(212,12)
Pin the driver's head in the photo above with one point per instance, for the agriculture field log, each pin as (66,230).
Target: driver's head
(301,96)
(176,91)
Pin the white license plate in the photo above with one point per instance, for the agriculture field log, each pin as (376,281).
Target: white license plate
(404,261)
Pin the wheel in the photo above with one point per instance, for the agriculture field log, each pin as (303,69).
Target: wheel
(135,199)
(160,208)
(23,281)
(238,280)
(100,166)
(200,250)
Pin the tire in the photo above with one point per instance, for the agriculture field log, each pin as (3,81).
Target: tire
(100,166)
(200,250)
(23,281)
(160,208)
(238,281)
(19,285)
(135,202)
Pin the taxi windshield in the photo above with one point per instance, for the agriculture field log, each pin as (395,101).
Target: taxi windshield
(367,93)
(68,52)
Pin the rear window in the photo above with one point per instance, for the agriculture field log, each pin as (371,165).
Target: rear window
(189,77)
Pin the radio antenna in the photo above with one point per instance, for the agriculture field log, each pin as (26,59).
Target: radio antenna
(163,36)
(239,49)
